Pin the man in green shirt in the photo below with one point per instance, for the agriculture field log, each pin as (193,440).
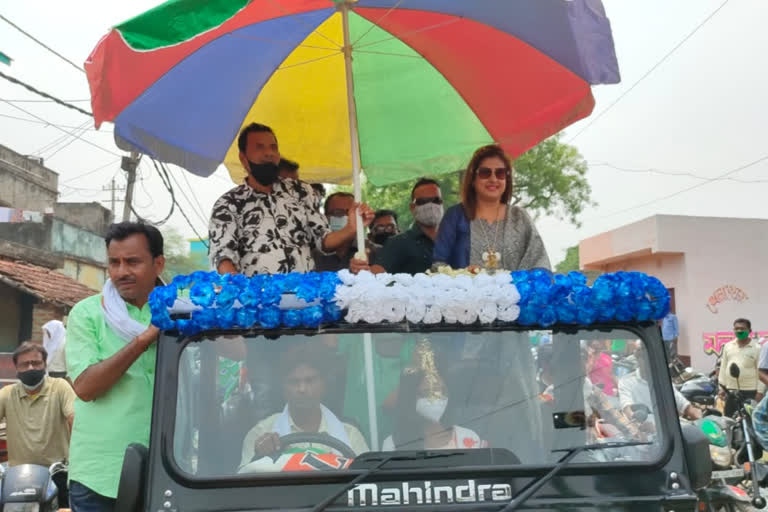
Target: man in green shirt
(111,360)
(411,252)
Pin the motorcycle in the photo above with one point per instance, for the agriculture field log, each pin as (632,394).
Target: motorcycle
(31,488)
(745,444)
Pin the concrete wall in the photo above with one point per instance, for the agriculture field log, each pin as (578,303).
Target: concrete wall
(91,216)
(42,313)
(32,234)
(88,274)
(72,240)
(25,183)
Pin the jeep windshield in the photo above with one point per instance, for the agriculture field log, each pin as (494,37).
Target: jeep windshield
(250,407)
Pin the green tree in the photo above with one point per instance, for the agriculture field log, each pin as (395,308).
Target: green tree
(549,179)
(178,259)
(570,262)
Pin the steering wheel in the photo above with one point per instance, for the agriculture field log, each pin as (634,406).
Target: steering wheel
(317,438)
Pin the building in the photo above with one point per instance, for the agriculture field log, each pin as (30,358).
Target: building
(52,254)
(35,228)
(30,296)
(713,266)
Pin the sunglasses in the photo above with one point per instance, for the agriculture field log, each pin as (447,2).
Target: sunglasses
(384,228)
(485,172)
(420,201)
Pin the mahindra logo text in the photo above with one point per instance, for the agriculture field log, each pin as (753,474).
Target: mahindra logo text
(364,495)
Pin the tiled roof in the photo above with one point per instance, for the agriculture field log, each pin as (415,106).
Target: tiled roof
(45,284)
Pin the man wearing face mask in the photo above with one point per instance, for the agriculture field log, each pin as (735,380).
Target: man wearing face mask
(38,412)
(269,225)
(411,252)
(336,208)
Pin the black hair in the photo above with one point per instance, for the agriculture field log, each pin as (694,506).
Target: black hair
(743,321)
(384,213)
(27,347)
(122,230)
(319,187)
(288,165)
(242,139)
(335,194)
(423,181)
(310,354)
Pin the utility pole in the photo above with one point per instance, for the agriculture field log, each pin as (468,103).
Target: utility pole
(112,188)
(129,165)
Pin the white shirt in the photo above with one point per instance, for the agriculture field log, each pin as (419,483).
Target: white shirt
(633,389)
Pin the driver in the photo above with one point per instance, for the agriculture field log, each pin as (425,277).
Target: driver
(634,389)
(304,371)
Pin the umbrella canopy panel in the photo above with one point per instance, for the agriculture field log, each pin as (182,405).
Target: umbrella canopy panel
(432,80)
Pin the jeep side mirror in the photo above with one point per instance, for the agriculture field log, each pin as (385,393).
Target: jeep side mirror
(735,371)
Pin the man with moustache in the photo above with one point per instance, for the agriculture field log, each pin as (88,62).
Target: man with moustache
(110,354)
(269,225)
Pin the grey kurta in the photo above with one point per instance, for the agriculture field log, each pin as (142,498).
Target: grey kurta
(516,238)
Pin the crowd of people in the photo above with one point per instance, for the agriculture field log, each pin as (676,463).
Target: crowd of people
(273,223)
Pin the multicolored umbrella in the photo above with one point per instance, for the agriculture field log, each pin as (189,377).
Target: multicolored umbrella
(401,88)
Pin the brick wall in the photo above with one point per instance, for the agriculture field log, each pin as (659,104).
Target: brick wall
(42,313)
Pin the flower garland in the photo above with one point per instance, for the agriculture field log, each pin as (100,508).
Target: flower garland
(235,301)
(531,298)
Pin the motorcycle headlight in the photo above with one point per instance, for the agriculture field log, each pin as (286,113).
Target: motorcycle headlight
(721,455)
(21,507)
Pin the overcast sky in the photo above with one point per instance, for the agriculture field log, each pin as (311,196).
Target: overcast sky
(703,112)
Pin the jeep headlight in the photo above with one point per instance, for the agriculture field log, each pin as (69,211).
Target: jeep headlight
(21,507)
(721,455)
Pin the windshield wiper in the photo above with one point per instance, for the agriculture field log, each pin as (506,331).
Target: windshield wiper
(572,452)
(362,476)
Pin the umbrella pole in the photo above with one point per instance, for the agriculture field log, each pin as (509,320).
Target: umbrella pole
(353,136)
(355,146)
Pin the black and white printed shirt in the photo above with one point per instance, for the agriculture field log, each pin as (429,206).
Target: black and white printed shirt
(267,233)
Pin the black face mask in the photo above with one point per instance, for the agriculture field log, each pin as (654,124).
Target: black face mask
(265,173)
(31,378)
(380,238)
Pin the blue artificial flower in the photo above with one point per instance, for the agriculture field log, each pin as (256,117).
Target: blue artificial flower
(331,312)
(577,278)
(227,295)
(186,327)
(312,316)
(238,280)
(525,290)
(547,316)
(205,319)
(292,281)
(273,291)
(269,317)
(292,318)
(528,315)
(247,317)
(162,320)
(225,318)
(567,313)
(644,310)
(563,280)
(202,294)
(250,297)
(181,282)
(586,315)
(520,276)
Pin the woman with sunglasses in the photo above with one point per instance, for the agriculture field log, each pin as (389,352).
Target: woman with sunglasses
(484,231)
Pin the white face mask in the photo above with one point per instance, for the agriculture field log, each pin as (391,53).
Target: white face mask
(335,223)
(429,214)
(431,408)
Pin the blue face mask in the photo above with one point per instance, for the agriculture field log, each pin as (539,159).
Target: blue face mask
(337,222)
